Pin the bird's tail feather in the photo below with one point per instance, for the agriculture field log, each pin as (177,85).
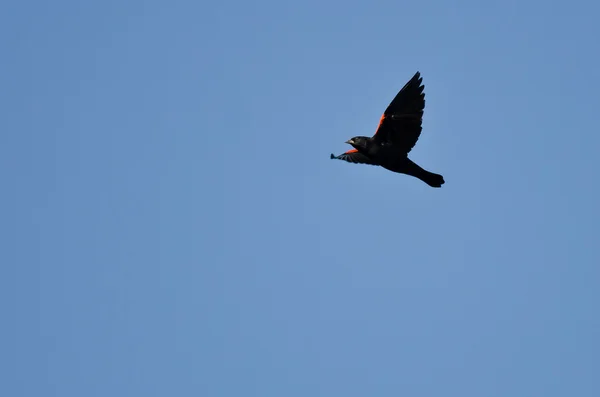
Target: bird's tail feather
(430,178)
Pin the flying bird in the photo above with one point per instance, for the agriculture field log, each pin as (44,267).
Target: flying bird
(397,133)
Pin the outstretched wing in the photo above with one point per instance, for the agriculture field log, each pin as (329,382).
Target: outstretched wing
(400,124)
(354,156)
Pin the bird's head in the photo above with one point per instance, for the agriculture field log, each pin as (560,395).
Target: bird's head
(360,143)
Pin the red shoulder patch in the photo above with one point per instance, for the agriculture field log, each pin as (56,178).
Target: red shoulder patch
(351,151)
(380,122)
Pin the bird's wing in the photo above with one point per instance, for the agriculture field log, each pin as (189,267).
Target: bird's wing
(400,124)
(353,156)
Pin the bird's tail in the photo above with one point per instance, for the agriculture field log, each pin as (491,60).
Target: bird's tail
(433,180)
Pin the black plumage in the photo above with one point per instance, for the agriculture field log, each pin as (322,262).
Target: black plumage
(397,133)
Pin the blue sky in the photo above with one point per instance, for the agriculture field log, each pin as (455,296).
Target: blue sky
(173,225)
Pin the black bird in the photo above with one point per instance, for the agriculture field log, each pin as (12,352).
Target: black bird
(397,133)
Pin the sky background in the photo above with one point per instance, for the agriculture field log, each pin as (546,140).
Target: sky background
(172,225)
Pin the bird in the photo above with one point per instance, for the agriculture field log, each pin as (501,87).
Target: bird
(397,133)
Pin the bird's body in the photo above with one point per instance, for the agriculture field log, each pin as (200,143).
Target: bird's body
(397,133)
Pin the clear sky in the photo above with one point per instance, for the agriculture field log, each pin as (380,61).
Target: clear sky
(172,224)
